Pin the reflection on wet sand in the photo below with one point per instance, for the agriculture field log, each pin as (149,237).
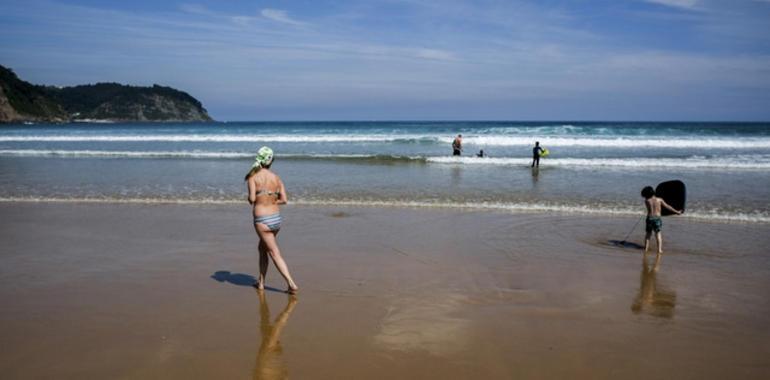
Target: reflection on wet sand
(424,324)
(270,364)
(653,298)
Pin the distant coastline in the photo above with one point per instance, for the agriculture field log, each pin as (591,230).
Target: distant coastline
(23,102)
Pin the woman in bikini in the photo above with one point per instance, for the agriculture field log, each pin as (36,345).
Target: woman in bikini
(266,193)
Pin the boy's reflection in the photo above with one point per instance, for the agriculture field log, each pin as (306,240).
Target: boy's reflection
(270,364)
(653,298)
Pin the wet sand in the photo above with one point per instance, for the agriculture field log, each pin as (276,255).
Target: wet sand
(162,291)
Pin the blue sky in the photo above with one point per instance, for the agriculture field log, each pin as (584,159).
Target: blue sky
(411,59)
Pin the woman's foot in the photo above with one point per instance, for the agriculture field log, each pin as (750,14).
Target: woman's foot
(258,285)
(293,290)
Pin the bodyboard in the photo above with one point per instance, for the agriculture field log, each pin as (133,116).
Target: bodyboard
(674,193)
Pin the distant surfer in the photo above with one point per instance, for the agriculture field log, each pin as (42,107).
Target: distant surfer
(457,145)
(481,154)
(653,221)
(536,152)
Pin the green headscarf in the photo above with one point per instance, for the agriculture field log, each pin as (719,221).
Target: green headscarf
(264,157)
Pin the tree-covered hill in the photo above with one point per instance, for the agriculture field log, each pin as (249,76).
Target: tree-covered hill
(23,101)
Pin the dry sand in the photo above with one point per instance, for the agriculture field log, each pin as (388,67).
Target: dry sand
(162,291)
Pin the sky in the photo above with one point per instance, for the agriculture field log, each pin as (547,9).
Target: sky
(649,60)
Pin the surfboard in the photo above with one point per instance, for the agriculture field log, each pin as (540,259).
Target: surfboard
(674,193)
(544,153)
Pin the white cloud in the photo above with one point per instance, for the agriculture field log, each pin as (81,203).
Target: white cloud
(508,62)
(683,4)
(241,20)
(280,16)
(436,54)
(683,70)
(195,9)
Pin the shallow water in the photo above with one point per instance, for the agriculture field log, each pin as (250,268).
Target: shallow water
(593,167)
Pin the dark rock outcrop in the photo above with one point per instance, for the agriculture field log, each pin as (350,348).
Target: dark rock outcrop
(22,101)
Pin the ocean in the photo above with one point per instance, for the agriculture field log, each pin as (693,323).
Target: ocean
(593,167)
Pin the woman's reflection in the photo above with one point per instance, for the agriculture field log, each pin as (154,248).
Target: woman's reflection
(653,298)
(270,363)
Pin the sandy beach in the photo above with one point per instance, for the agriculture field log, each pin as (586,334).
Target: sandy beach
(162,291)
(463,188)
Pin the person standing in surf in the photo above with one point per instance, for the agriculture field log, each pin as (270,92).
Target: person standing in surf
(266,193)
(457,145)
(536,151)
(653,223)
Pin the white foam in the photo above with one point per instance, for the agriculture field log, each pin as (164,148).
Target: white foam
(122,200)
(704,215)
(93,121)
(621,142)
(212,138)
(118,153)
(470,140)
(738,162)
(176,154)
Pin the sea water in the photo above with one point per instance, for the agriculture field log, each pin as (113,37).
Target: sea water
(596,168)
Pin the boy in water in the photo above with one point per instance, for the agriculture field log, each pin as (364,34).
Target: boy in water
(536,151)
(653,222)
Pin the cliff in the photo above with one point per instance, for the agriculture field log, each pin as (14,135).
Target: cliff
(22,101)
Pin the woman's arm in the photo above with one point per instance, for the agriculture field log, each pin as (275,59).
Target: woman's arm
(283,198)
(252,191)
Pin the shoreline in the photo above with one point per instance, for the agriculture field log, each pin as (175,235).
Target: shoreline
(500,207)
(138,290)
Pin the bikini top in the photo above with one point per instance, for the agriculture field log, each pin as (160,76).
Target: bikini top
(277,193)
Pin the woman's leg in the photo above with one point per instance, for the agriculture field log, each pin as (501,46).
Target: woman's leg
(263,264)
(263,261)
(268,239)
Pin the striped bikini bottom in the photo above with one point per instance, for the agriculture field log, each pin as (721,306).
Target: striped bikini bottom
(273,222)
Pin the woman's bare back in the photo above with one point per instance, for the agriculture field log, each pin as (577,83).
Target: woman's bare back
(266,192)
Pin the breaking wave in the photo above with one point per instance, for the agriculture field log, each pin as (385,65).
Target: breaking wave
(747,162)
(477,140)
(758,162)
